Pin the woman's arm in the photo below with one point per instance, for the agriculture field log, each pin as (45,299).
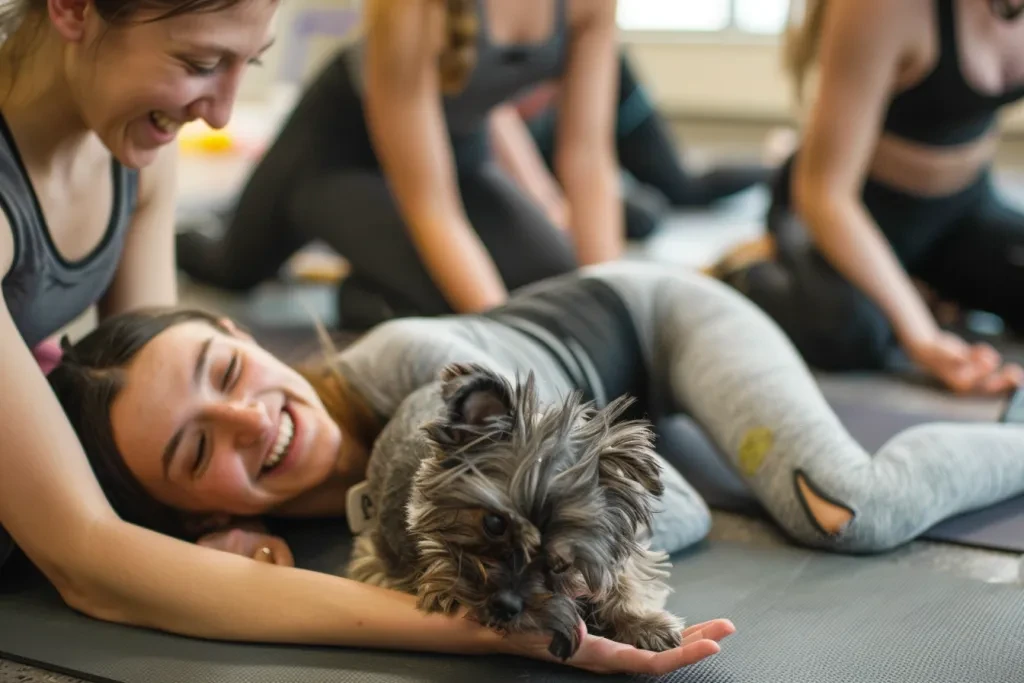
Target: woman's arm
(585,158)
(517,153)
(54,509)
(146,275)
(863,45)
(406,123)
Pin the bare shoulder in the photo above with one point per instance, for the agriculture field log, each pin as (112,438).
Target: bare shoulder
(405,25)
(583,13)
(159,178)
(902,20)
(895,39)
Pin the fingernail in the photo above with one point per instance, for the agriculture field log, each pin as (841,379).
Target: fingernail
(264,554)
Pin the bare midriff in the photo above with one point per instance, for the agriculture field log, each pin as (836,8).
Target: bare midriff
(924,170)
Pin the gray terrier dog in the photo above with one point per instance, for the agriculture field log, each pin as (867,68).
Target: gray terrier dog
(527,518)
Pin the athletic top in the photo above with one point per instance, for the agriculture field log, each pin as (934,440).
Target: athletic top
(501,72)
(944,109)
(573,331)
(43,291)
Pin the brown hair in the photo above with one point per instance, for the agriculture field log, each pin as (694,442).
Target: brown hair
(91,374)
(13,13)
(458,58)
(801,42)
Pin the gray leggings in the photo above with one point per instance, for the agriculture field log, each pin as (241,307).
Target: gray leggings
(716,357)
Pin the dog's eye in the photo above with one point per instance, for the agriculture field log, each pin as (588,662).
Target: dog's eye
(495,525)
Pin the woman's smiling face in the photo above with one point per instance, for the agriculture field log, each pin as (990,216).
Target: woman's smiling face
(136,83)
(208,421)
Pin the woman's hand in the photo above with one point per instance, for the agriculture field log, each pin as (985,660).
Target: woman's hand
(964,368)
(259,546)
(600,655)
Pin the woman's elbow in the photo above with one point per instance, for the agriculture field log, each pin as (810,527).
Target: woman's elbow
(817,198)
(86,580)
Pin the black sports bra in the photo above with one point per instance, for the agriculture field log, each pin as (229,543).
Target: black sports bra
(944,109)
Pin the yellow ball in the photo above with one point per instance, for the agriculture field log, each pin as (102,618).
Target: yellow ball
(216,141)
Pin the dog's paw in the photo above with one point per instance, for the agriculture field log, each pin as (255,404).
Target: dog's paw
(655,632)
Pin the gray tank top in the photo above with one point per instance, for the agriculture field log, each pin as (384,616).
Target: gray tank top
(43,291)
(501,73)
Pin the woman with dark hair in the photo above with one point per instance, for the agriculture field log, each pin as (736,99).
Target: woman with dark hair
(200,412)
(891,193)
(191,425)
(387,158)
(92,94)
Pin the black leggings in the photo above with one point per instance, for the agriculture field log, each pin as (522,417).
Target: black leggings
(968,247)
(320,181)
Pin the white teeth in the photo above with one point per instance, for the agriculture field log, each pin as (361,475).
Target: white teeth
(164,122)
(284,440)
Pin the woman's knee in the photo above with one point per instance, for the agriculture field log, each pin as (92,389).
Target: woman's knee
(842,519)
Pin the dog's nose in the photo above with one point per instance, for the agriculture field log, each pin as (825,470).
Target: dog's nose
(506,605)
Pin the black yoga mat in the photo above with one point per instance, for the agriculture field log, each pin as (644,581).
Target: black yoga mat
(802,617)
(997,527)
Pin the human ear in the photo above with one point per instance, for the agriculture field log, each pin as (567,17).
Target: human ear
(70,17)
(234,330)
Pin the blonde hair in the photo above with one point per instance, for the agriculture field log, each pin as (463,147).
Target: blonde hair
(802,40)
(458,58)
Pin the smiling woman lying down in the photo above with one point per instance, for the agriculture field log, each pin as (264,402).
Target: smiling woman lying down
(192,426)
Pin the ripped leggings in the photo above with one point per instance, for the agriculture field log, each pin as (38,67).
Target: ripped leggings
(715,356)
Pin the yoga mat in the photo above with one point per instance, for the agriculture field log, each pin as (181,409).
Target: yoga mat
(684,444)
(802,617)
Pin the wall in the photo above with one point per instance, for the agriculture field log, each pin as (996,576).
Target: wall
(727,77)
(731,77)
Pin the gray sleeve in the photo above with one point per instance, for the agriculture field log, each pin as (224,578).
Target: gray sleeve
(394,460)
(398,357)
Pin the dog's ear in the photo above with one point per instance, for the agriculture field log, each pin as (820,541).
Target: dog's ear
(628,461)
(478,403)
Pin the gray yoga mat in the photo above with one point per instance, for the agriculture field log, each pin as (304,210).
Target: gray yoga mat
(802,617)
(997,527)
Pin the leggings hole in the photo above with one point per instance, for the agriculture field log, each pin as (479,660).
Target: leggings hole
(829,516)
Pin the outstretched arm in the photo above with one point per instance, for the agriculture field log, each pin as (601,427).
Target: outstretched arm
(863,45)
(406,124)
(53,507)
(585,158)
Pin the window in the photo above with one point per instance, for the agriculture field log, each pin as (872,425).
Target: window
(747,16)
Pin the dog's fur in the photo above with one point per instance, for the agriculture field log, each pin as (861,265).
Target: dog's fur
(527,517)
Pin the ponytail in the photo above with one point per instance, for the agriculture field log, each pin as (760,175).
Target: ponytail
(459,55)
